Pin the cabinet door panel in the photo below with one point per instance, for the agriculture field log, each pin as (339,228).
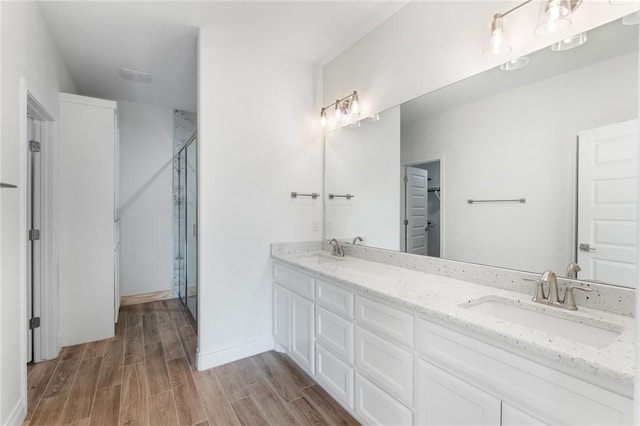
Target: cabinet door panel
(281,317)
(445,400)
(302,332)
(514,417)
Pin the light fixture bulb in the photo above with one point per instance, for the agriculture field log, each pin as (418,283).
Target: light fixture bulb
(323,118)
(498,44)
(570,43)
(355,104)
(338,110)
(553,17)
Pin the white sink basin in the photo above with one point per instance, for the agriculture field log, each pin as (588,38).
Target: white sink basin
(323,258)
(563,324)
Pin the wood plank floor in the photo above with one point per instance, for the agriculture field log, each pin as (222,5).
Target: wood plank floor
(145,375)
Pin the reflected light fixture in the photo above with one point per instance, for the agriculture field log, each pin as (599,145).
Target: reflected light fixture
(570,43)
(553,17)
(135,75)
(344,108)
(633,19)
(515,64)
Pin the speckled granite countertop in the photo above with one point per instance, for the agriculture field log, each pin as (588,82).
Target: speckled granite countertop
(447,300)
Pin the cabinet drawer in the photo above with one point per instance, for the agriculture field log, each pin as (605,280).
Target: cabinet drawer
(295,281)
(376,407)
(334,298)
(335,375)
(386,364)
(385,321)
(335,333)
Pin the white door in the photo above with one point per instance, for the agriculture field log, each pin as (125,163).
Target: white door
(33,229)
(416,187)
(607,203)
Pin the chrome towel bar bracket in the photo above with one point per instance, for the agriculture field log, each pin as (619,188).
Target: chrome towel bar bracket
(515,200)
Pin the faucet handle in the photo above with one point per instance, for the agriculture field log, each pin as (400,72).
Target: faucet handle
(569,301)
(539,294)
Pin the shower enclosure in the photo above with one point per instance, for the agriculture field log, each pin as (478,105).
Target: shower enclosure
(185,199)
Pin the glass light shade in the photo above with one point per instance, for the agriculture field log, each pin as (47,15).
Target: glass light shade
(553,17)
(570,43)
(338,110)
(498,44)
(633,19)
(515,64)
(323,119)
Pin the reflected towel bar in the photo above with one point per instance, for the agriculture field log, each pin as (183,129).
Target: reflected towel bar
(313,195)
(7,185)
(515,200)
(347,196)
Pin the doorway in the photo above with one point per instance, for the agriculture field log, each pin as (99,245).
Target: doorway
(421,209)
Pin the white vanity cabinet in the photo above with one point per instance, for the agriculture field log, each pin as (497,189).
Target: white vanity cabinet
(387,364)
(294,315)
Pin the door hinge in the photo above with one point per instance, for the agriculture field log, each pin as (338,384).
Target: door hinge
(406,222)
(406,179)
(34,146)
(34,323)
(34,234)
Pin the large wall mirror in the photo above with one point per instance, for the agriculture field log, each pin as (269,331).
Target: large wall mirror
(529,169)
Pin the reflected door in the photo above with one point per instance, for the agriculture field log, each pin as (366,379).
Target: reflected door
(182,226)
(608,203)
(416,181)
(191,229)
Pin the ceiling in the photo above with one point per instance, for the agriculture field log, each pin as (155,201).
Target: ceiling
(604,42)
(97,38)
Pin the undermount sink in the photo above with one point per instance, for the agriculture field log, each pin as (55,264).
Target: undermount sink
(323,258)
(594,333)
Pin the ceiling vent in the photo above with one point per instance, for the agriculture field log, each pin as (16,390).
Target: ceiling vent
(134,75)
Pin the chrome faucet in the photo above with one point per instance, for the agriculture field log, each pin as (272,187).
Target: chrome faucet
(338,250)
(356,239)
(551,298)
(572,270)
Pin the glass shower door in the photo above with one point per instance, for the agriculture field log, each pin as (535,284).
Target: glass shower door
(182,225)
(191,229)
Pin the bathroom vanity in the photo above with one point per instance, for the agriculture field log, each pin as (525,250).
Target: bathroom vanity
(404,339)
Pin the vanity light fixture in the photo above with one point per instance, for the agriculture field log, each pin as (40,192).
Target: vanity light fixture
(345,107)
(553,18)
(515,64)
(570,43)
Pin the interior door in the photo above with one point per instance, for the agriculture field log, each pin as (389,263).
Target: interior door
(608,203)
(33,229)
(416,187)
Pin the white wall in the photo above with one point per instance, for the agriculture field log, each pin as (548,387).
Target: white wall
(365,161)
(430,44)
(146,214)
(258,140)
(27,51)
(521,143)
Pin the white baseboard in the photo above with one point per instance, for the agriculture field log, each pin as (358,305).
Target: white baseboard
(214,359)
(18,414)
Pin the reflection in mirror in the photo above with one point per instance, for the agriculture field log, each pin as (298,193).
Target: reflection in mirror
(547,152)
